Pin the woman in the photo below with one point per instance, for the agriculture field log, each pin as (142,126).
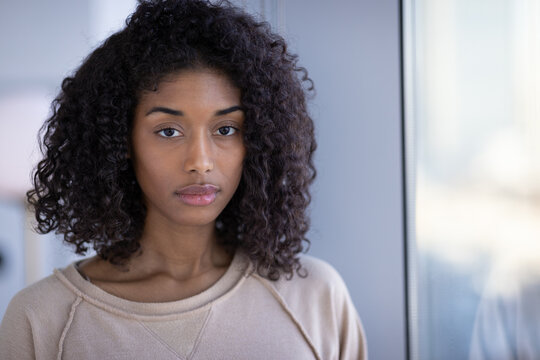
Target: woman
(181,152)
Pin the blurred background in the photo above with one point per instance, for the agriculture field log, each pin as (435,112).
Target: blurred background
(427,116)
(472,90)
(41,43)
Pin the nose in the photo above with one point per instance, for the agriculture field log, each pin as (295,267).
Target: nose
(199,155)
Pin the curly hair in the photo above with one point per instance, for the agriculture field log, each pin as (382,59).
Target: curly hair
(85,187)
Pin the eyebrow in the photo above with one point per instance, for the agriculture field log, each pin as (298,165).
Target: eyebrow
(169,111)
(165,110)
(229,110)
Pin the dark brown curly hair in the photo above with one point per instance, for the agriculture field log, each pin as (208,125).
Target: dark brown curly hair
(85,187)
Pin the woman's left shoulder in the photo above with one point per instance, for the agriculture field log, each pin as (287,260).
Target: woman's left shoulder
(316,275)
(320,270)
(318,299)
(316,279)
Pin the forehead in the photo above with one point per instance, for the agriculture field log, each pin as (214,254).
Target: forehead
(205,87)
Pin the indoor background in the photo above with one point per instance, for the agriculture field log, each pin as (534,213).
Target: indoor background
(427,114)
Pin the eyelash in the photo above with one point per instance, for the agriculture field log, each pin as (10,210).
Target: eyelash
(234,131)
(160,132)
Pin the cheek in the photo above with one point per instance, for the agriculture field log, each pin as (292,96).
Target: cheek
(239,161)
(231,165)
(151,169)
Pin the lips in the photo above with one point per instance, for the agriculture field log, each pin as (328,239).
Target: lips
(198,195)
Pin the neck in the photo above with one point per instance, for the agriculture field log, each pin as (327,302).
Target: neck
(179,251)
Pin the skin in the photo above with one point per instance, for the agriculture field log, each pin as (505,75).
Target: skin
(187,132)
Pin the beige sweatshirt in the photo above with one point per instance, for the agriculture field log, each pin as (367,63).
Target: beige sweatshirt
(242,316)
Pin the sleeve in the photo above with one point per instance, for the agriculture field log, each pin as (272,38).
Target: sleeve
(352,340)
(16,340)
(321,303)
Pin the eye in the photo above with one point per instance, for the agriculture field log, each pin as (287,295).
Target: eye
(169,132)
(226,130)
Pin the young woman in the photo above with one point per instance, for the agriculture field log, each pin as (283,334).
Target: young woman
(181,151)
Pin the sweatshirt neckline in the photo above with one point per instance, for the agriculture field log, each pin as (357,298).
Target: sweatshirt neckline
(232,277)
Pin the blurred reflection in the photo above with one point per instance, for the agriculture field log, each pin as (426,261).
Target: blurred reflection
(507,324)
(476,110)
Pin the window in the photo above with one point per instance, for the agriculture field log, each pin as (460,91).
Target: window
(472,95)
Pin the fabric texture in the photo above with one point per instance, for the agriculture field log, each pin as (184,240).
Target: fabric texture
(241,316)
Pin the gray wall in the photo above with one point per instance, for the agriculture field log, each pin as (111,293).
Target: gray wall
(351,49)
(41,41)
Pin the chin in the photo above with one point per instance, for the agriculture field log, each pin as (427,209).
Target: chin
(195,220)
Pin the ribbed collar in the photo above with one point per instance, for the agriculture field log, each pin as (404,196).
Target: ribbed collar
(233,277)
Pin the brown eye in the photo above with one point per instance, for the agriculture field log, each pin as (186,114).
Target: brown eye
(226,130)
(169,132)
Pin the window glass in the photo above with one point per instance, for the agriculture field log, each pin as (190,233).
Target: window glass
(472,95)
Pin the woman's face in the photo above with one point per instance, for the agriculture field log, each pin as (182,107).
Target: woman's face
(187,147)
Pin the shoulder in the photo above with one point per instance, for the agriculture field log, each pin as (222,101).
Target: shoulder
(42,295)
(320,271)
(317,278)
(319,282)
(320,303)
(35,313)
(41,304)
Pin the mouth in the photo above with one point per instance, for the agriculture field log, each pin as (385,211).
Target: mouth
(198,195)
